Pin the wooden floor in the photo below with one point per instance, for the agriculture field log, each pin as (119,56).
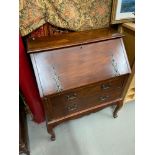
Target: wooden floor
(95,134)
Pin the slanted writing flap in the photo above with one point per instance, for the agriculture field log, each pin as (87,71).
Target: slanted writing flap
(72,67)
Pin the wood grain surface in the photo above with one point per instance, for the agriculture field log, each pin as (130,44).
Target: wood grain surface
(79,66)
(70,39)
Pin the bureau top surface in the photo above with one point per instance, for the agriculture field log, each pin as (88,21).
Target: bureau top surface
(73,67)
(70,39)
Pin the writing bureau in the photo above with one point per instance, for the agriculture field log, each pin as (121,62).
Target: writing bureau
(78,73)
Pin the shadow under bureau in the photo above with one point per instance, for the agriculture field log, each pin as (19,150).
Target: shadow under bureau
(78,73)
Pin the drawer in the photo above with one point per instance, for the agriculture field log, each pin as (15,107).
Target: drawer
(83,98)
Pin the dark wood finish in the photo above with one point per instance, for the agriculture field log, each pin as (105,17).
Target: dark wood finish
(83,98)
(79,76)
(23,130)
(95,61)
(71,39)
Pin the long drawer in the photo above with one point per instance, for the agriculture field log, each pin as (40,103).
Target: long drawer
(83,98)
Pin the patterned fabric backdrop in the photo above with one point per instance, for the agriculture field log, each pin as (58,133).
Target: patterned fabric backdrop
(76,15)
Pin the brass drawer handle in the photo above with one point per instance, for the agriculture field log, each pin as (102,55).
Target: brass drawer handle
(71,96)
(105,86)
(103,98)
(72,107)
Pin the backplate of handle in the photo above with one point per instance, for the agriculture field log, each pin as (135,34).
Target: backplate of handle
(72,107)
(105,86)
(71,96)
(103,98)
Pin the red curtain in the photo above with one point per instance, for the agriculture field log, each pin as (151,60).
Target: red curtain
(28,85)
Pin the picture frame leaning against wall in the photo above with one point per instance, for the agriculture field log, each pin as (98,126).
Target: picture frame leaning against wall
(122,11)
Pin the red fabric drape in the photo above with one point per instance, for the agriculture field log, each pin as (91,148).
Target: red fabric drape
(28,85)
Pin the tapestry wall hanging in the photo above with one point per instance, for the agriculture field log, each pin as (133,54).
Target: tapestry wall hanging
(76,15)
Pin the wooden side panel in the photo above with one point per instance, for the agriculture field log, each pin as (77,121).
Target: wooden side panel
(129,42)
(128,29)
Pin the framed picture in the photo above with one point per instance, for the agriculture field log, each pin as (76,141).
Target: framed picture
(122,11)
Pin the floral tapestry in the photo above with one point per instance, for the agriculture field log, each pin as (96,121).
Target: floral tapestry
(76,15)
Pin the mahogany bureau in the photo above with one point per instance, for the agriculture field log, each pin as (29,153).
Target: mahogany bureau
(78,73)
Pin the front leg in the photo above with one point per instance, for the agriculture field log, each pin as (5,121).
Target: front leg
(118,107)
(52,133)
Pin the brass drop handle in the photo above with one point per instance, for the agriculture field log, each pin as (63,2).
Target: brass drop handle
(71,96)
(103,98)
(105,86)
(72,107)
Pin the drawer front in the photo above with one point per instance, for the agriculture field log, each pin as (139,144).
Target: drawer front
(82,99)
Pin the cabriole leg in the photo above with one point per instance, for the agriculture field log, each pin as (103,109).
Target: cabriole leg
(51,132)
(52,135)
(118,107)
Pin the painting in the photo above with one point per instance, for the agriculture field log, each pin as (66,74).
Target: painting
(123,11)
(127,6)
